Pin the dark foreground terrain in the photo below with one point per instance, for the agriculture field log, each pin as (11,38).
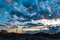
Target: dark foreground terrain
(38,36)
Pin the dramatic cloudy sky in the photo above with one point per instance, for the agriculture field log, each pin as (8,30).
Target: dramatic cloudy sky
(7,7)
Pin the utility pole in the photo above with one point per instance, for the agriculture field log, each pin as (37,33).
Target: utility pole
(16,32)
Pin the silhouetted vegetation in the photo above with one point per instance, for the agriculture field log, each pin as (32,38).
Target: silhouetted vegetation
(4,35)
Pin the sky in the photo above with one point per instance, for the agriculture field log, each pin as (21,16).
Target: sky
(25,12)
(48,7)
